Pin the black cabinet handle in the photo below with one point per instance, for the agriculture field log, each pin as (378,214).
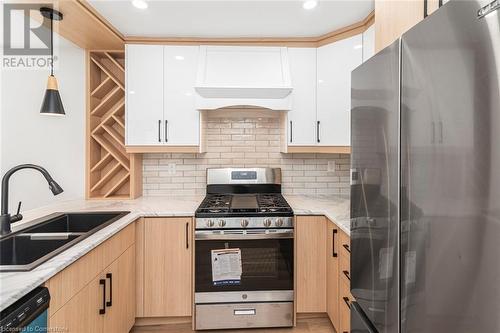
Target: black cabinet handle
(291,131)
(426,11)
(187,235)
(347,248)
(110,277)
(317,131)
(346,273)
(346,300)
(159,130)
(166,130)
(102,282)
(334,254)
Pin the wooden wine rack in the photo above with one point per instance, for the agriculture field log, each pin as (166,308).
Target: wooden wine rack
(112,173)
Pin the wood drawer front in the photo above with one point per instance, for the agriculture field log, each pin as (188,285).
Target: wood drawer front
(345,245)
(345,269)
(66,284)
(344,307)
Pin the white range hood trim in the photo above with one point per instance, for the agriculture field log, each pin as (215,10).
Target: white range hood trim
(281,104)
(244,92)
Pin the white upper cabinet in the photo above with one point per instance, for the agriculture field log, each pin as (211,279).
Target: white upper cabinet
(334,65)
(181,118)
(368,43)
(160,105)
(302,117)
(144,94)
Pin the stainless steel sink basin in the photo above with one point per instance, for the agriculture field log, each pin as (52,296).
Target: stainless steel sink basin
(25,249)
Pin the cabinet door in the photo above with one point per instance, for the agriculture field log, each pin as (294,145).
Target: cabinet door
(311,263)
(182,119)
(144,94)
(302,117)
(167,267)
(335,63)
(332,274)
(120,293)
(81,313)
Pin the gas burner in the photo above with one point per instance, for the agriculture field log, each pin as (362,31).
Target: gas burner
(253,192)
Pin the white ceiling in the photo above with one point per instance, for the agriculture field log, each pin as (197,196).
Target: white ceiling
(231,18)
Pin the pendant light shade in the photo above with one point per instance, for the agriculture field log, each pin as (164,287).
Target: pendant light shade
(52,103)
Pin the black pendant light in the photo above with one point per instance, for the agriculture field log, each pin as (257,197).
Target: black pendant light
(52,103)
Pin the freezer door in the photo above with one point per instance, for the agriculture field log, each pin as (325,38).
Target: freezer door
(374,188)
(450,211)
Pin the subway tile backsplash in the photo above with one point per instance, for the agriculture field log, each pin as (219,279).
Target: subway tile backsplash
(244,142)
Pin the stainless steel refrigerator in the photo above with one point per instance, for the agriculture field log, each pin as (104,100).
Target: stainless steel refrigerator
(425,179)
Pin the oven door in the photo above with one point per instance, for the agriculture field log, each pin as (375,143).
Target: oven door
(266,266)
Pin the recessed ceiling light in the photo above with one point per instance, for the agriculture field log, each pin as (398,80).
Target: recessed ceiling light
(141,4)
(179,57)
(309,4)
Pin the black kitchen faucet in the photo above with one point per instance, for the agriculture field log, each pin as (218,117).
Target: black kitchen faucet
(5,218)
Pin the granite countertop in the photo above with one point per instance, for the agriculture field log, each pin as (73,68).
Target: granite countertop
(335,208)
(14,285)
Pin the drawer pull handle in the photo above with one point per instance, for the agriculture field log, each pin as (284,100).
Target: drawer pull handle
(187,235)
(346,300)
(347,248)
(334,254)
(346,273)
(110,277)
(245,312)
(102,282)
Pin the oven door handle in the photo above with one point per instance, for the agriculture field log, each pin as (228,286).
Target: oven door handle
(228,235)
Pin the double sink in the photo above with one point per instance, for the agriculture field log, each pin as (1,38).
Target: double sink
(25,249)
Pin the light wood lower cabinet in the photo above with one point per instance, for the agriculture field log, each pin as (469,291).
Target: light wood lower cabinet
(81,313)
(310,259)
(120,293)
(167,277)
(344,307)
(344,282)
(332,274)
(323,270)
(106,303)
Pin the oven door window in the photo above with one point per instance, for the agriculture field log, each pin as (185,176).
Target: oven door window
(267,264)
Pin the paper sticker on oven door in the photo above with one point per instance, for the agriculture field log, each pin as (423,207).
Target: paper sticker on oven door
(226,267)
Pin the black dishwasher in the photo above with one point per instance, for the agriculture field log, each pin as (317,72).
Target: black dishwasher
(28,313)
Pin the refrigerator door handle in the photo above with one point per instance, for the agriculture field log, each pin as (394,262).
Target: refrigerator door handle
(440,132)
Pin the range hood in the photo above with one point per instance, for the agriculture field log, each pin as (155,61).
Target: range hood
(236,76)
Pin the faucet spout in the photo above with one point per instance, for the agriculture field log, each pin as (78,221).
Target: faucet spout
(5,218)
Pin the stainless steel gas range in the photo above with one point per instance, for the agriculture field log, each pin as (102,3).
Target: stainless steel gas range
(244,251)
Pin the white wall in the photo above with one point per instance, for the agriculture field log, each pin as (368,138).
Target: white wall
(56,143)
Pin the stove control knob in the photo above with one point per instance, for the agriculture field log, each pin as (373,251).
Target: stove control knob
(267,223)
(222,223)
(210,223)
(244,223)
(279,222)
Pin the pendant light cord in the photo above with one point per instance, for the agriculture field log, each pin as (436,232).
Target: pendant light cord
(51,45)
